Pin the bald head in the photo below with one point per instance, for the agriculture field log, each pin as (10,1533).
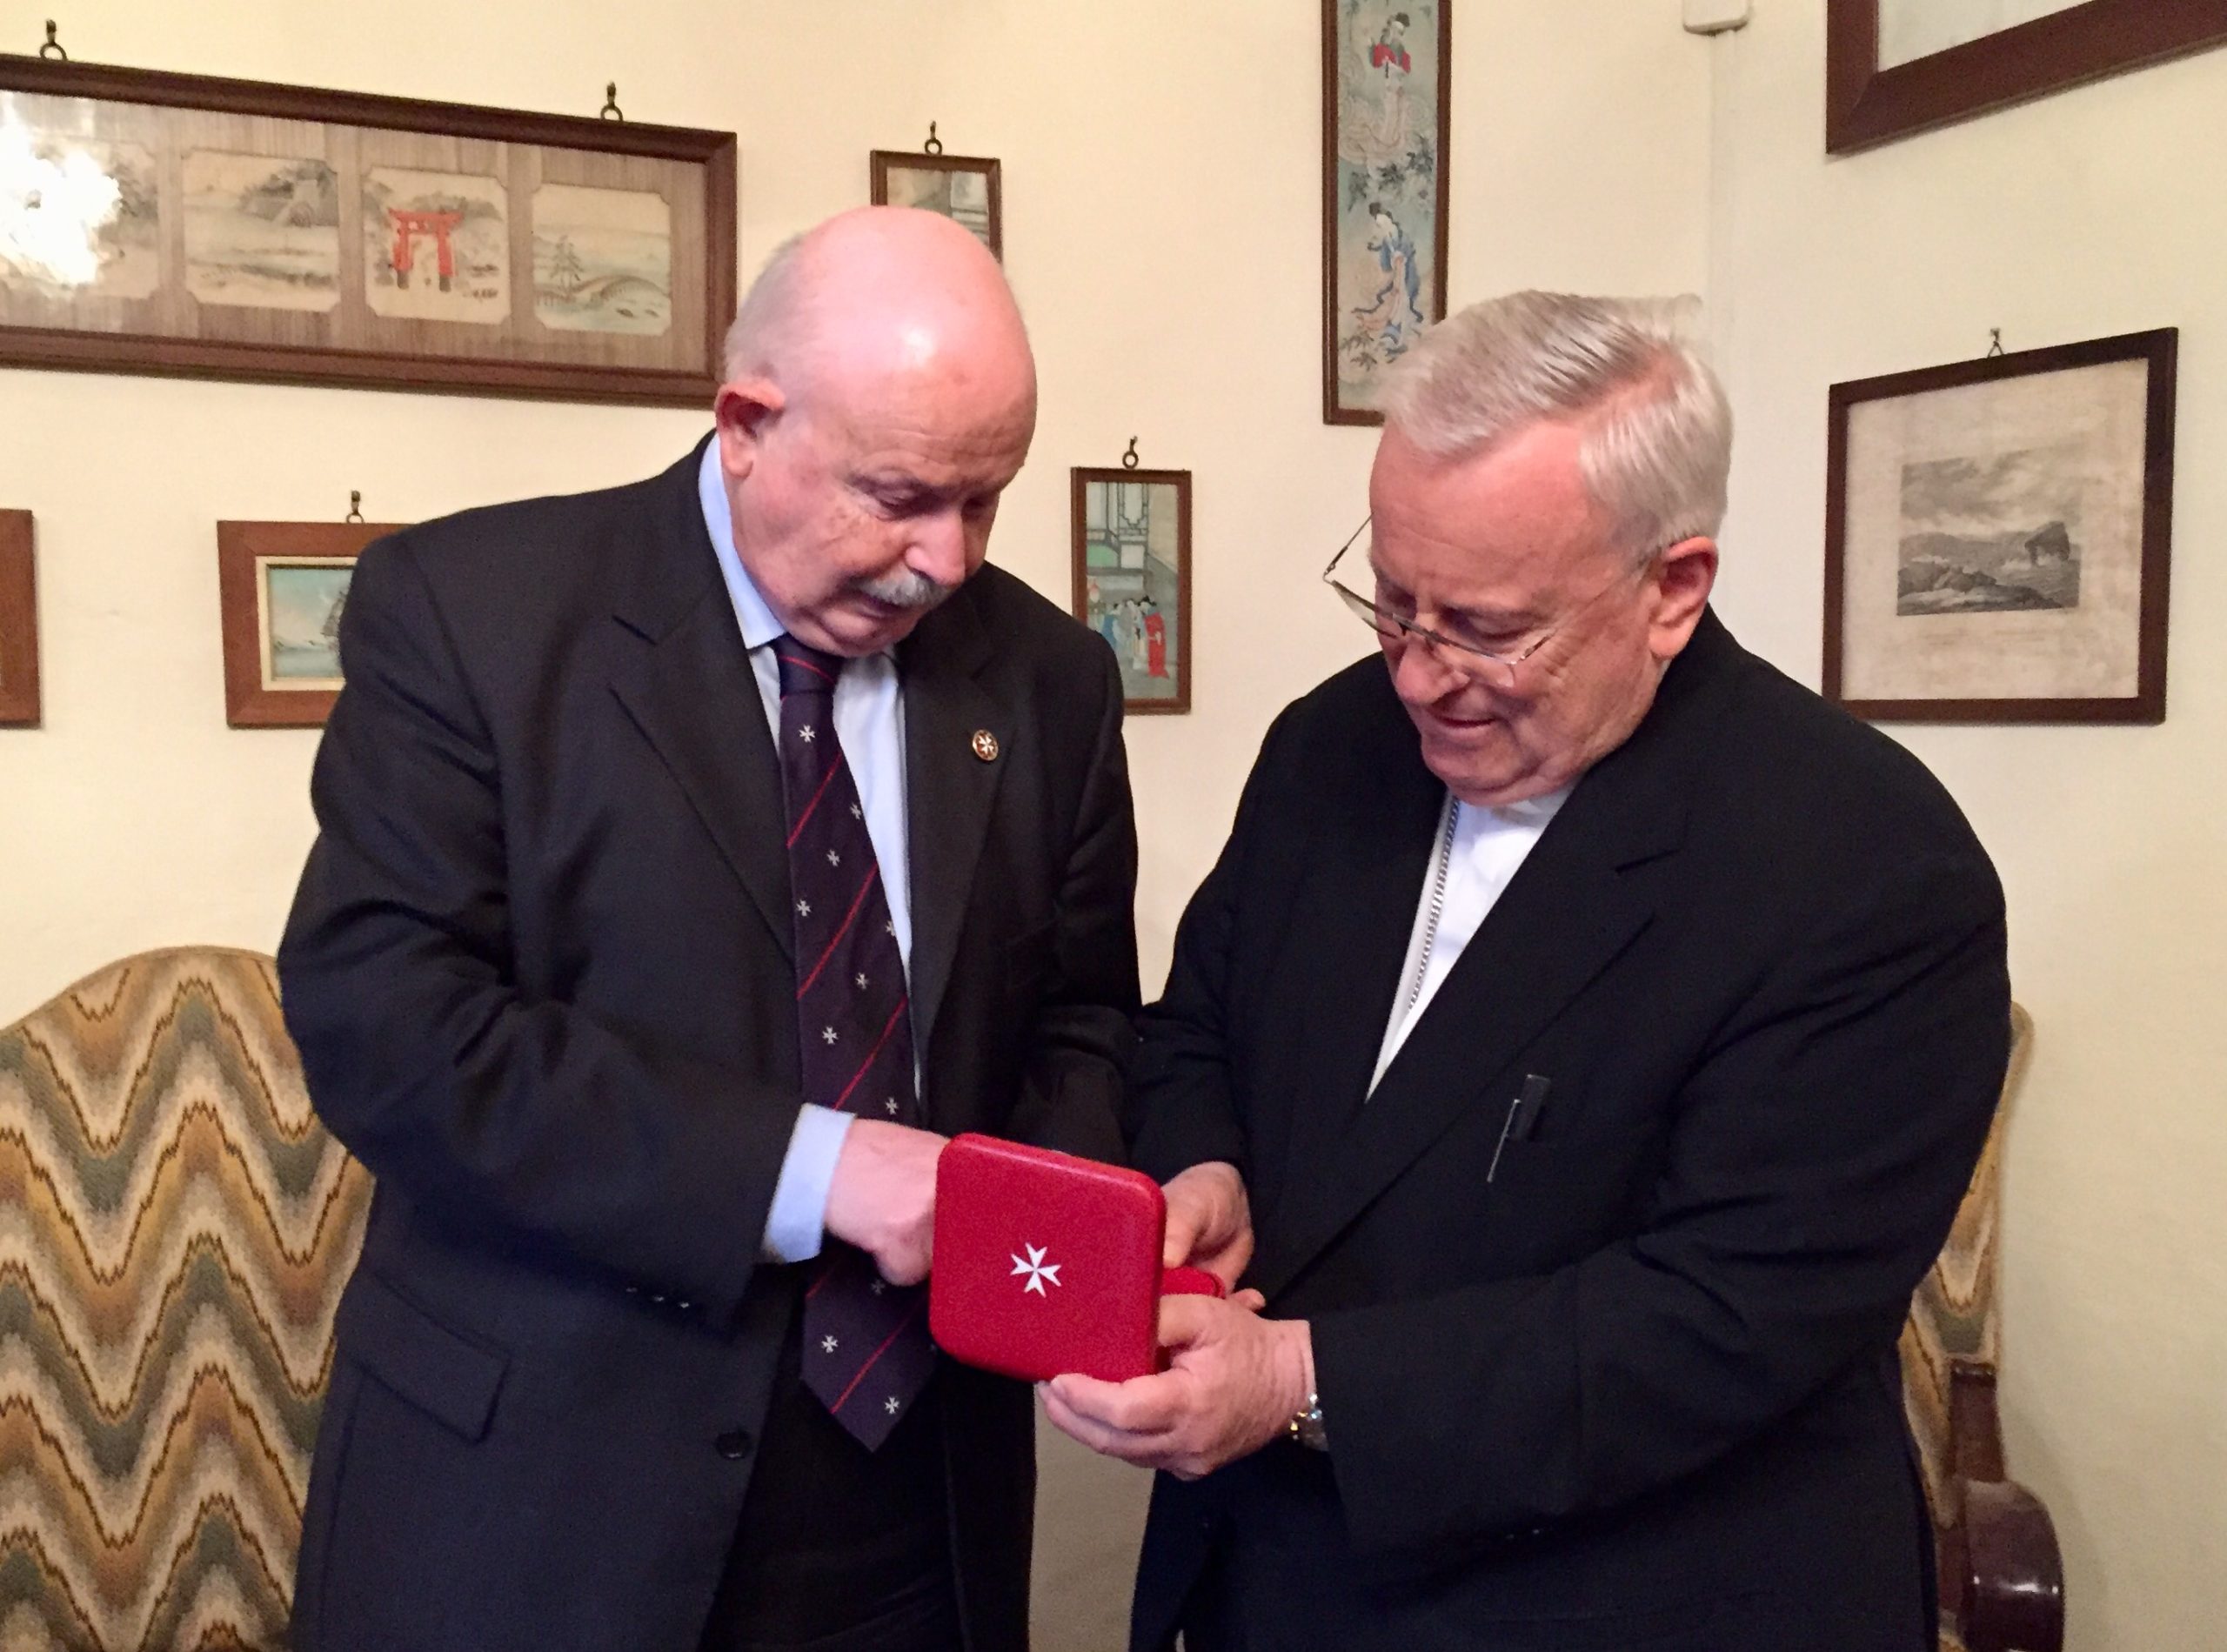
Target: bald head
(879,291)
(879,398)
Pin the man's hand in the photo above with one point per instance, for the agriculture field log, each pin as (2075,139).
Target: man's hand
(883,1196)
(1237,1379)
(1209,1222)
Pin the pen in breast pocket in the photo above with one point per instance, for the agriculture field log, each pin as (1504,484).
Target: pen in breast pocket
(1523,1121)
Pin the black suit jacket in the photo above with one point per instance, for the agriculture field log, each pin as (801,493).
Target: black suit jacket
(539,973)
(1637,1387)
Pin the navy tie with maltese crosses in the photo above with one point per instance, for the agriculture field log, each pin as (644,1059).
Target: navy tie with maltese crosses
(866,1351)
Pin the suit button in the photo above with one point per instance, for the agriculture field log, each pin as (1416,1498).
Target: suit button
(734,1445)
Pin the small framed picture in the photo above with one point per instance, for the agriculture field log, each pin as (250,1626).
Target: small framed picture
(1132,578)
(284,585)
(964,188)
(1998,534)
(18,624)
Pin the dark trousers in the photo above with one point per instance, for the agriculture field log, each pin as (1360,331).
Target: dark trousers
(840,1549)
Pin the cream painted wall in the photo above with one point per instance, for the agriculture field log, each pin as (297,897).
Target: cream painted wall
(2077,216)
(1161,173)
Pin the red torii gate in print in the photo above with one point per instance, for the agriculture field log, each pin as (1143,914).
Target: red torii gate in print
(408,226)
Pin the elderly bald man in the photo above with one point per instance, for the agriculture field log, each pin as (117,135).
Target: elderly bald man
(693,857)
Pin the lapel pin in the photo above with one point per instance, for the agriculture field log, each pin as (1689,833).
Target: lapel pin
(985,744)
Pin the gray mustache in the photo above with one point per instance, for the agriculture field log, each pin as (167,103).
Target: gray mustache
(904,590)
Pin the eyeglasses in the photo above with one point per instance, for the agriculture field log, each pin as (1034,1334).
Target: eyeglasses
(1495,665)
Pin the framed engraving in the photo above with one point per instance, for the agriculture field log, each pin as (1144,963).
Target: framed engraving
(155,222)
(1998,536)
(1895,67)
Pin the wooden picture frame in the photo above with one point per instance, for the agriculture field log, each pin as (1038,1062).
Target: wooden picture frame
(1998,537)
(938,183)
(281,644)
(19,699)
(1126,526)
(238,229)
(1867,103)
(1386,99)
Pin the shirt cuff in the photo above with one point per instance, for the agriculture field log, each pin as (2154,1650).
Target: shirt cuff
(796,1225)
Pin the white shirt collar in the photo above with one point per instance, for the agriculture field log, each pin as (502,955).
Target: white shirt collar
(759,624)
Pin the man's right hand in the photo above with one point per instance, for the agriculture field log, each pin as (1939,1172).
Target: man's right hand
(883,1196)
(1209,1222)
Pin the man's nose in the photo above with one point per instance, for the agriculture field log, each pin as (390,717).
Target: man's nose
(1418,675)
(938,550)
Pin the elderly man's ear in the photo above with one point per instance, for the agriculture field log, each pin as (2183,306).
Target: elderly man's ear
(1684,581)
(745,410)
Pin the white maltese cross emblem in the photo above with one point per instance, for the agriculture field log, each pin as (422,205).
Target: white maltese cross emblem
(1035,1267)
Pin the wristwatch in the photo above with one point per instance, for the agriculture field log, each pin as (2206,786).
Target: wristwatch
(1304,1428)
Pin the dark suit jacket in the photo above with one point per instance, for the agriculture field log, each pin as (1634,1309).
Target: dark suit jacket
(539,973)
(1639,1388)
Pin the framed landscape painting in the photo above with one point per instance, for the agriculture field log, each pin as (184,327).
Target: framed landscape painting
(155,222)
(1998,537)
(19,706)
(1131,532)
(1386,85)
(284,585)
(1894,67)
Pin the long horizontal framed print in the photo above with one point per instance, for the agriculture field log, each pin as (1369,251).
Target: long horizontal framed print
(969,189)
(1998,537)
(154,223)
(19,706)
(1387,81)
(1132,578)
(1895,67)
(283,586)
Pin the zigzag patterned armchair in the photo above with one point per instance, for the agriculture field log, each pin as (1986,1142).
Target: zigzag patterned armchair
(175,1230)
(2002,1576)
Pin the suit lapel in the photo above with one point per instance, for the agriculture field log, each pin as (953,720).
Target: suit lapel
(1377,845)
(949,788)
(1564,918)
(690,690)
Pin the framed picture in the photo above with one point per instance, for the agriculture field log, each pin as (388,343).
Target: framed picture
(1387,68)
(175,224)
(1893,67)
(966,189)
(283,586)
(1132,578)
(1997,537)
(18,624)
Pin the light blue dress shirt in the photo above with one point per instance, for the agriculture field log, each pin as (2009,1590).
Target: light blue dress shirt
(870,722)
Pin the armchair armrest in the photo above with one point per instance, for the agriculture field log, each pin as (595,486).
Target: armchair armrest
(2013,1588)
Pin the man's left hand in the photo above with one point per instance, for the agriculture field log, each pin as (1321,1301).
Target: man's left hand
(1234,1382)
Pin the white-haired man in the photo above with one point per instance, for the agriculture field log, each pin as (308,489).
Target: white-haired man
(694,856)
(1581,1044)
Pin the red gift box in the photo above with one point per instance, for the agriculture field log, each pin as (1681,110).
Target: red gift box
(1046,1263)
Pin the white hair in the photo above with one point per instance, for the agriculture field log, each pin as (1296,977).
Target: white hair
(770,314)
(1657,443)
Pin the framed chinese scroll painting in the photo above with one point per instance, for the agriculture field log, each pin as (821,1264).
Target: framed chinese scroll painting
(155,222)
(1386,79)
(1132,532)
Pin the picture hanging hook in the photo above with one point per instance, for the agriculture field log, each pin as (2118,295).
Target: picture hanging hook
(611,110)
(355,506)
(1129,458)
(934,145)
(1995,341)
(53,48)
